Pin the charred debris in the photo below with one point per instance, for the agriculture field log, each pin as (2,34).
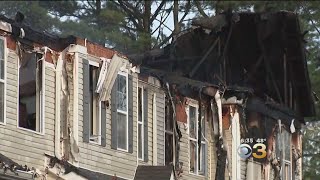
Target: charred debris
(252,62)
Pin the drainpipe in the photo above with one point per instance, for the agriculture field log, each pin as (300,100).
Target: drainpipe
(57,107)
(217,97)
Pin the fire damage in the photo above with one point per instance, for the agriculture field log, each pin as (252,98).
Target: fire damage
(246,65)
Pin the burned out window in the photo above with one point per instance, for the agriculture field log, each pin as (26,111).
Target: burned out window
(2,80)
(283,151)
(30,92)
(122,111)
(168,133)
(94,106)
(196,135)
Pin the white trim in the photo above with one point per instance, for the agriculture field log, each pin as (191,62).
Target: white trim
(41,98)
(126,75)
(93,63)
(196,170)
(154,131)
(5,55)
(75,124)
(96,64)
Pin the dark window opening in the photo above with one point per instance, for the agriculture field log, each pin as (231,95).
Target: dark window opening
(30,92)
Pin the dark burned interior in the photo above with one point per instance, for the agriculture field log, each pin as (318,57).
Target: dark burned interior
(259,51)
(256,57)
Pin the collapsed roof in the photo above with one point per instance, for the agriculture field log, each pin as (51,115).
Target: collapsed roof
(264,52)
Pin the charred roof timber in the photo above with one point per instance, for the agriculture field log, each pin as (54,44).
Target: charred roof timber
(260,51)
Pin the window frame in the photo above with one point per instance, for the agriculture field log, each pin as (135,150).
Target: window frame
(95,64)
(41,94)
(141,123)
(197,171)
(4,80)
(126,75)
(167,131)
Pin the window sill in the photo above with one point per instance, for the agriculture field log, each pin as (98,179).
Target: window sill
(2,123)
(31,131)
(198,175)
(95,143)
(122,150)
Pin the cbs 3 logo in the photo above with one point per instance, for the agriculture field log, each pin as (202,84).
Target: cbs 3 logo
(245,151)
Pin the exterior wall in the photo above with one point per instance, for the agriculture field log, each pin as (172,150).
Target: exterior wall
(184,153)
(21,145)
(104,159)
(160,118)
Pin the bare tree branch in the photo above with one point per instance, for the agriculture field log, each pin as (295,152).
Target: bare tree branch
(131,15)
(200,9)
(155,14)
(162,22)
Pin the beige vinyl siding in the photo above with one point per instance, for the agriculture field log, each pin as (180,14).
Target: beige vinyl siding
(160,100)
(20,145)
(160,107)
(212,152)
(104,159)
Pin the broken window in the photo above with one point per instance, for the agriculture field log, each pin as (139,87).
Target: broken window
(168,133)
(197,152)
(283,151)
(30,92)
(122,111)
(140,123)
(2,80)
(94,105)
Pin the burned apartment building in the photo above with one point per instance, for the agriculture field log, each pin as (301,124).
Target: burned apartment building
(225,100)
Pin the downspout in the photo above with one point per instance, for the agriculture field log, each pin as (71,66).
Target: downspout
(217,97)
(57,108)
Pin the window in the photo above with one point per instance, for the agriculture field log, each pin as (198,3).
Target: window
(196,153)
(122,111)
(94,106)
(31,92)
(2,80)
(168,133)
(283,149)
(140,123)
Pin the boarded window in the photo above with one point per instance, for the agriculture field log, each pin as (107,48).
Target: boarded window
(2,80)
(30,92)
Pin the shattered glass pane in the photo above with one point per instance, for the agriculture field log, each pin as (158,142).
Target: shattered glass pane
(192,122)
(122,93)
(1,102)
(193,156)
(122,131)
